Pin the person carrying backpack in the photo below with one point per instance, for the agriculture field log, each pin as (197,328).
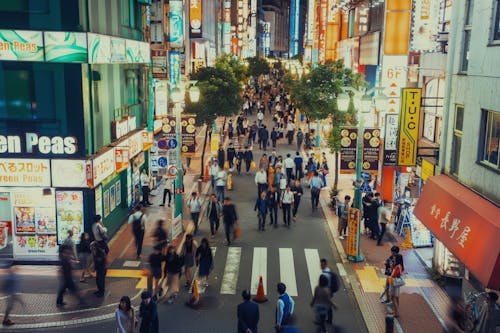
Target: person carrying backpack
(333,284)
(138,221)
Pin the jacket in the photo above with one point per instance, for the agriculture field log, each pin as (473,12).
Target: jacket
(248,317)
(218,207)
(262,205)
(229,213)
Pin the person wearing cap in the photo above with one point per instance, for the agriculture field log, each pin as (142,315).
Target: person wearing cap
(248,314)
(284,307)
(148,311)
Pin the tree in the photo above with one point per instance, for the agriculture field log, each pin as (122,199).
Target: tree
(235,64)
(219,96)
(257,66)
(316,96)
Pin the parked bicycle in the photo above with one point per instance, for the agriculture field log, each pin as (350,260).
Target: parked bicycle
(475,306)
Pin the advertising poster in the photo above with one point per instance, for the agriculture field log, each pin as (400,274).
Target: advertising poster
(391,139)
(159,64)
(61,46)
(5,220)
(188,130)
(69,173)
(176,24)
(174,61)
(99,47)
(98,200)
(24,219)
(45,220)
(112,198)
(21,45)
(69,205)
(106,203)
(371,149)
(408,126)
(195,18)
(348,142)
(118,193)
(425,25)
(161,98)
(352,248)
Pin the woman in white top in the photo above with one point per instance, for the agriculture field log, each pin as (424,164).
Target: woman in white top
(125,316)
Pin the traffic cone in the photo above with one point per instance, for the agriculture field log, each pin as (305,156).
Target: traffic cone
(407,244)
(206,176)
(194,302)
(260,297)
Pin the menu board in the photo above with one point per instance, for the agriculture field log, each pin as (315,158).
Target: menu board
(348,143)
(69,214)
(371,149)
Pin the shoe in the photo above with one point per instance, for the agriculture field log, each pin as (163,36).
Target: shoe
(8,322)
(212,236)
(99,294)
(60,304)
(205,284)
(341,237)
(168,205)
(163,205)
(138,257)
(170,300)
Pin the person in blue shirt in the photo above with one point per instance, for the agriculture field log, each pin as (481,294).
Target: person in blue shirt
(315,184)
(299,161)
(284,307)
(262,206)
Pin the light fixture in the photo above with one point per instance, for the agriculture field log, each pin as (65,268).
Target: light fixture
(381,101)
(194,94)
(176,95)
(343,100)
(364,103)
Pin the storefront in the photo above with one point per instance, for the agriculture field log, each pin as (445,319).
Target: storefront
(467,228)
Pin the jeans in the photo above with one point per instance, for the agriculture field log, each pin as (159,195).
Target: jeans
(296,203)
(342,228)
(299,145)
(286,213)
(381,233)
(289,172)
(139,239)
(315,197)
(220,192)
(298,172)
(262,219)
(273,213)
(100,279)
(228,228)
(195,216)
(165,193)
(145,195)
(214,225)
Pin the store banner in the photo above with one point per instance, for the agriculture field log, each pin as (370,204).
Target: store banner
(147,139)
(69,173)
(214,145)
(369,49)
(348,146)
(195,18)
(174,61)
(24,172)
(425,26)
(159,64)
(161,98)
(397,27)
(176,24)
(103,166)
(408,126)
(371,149)
(188,130)
(322,31)
(21,45)
(99,48)
(352,244)
(391,139)
(69,205)
(61,46)
(394,74)
(122,158)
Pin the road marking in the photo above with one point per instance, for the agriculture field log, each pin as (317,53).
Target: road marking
(312,260)
(341,269)
(259,268)
(287,271)
(231,271)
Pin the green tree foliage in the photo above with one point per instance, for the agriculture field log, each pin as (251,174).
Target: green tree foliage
(235,64)
(257,66)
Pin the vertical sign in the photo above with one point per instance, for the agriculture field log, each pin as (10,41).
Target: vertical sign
(408,126)
(322,32)
(352,248)
(315,43)
(425,26)
(371,149)
(348,144)
(176,24)
(394,69)
(161,98)
(391,139)
(174,61)
(195,18)
(294,28)
(397,26)
(226,27)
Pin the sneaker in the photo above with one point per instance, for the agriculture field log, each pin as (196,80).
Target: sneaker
(341,237)
(163,205)
(8,322)
(170,300)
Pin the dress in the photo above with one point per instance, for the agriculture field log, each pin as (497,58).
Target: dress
(205,260)
(125,321)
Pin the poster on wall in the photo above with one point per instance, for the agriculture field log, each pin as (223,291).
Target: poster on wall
(98,200)
(69,205)
(24,219)
(106,203)
(69,173)
(174,61)
(118,193)
(371,149)
(348,142)
(176,24)
(112,196)
(188,130)
(45,220)
(425,26)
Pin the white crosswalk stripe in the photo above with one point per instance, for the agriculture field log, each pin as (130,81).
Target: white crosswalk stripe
(231,271)
(259,269)
(312,260)
(287,271)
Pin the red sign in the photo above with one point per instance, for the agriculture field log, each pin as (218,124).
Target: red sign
(122,158)
(179,190)
(465,223)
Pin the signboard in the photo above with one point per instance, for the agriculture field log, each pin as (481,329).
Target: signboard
(24,172)
(408,126)
(195,18)
(172,157)
(391,139)
(70,215)
(103,166)
(147,140)
(172,171)
(214,145)
(137,52)
(99,47)
(371,149)
(135,144)
(162,161)
(425,25)
(294,28)
(352,248)
(63,46)
(157,31)
(176,227)
(161,98)
(394,69)
(174,61)
(188,131)
(21,45)
(159,64)
(38,144)
(369,49)
(172,143)
(348,143)
(122,158)
(322,31)
(122,127)
(69,173)
(176,24)
(98,200)
(427,170)
(118,50)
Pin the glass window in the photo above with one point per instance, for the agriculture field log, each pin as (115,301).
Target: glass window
(469,7)
(125,4)
(490,138)
(496,21)
(456,144)
(459,118)
(465,50)
(26,6)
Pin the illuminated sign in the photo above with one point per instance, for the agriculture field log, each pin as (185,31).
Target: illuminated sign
(397,27)
(24,172)
(121,127)
(394,72)
(174,60)
(408,126)
(176,24)
(391,139)
(294,28)
(21,45)
(99,49)
(61,46)
(161,98)
(195,18)
(348,153)
(69,173)
(34,143)
(425,26)
(69,214)
(103,166)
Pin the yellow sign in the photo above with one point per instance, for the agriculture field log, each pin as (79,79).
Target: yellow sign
(352,238)
(427,169)
(215,143)
(408,126)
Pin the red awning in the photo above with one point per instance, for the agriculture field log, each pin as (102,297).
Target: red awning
(467,224)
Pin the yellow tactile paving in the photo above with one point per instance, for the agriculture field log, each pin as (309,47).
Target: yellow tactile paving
(124,273)
(371,282)
(142,284)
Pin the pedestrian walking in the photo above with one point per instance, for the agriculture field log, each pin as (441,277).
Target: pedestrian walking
(322,303)
(324,170)
(221,156)
(311,168)
(145,185)
(125,316)
(384,217)
(300,139)
(100,252)
(188,254)
(138,221)
(273,158)
(260,117)
(343,211)
(273,198)
(239,161)
(213,169)
(284,307)
(263,162)
(274,136)
(194,205)
(167,190)
(230,218)
(286,203)
(214,212)
(10,288)
(99,231)
(297,191)
(315,186)
(333,284)
(70,244)
(367,202)
(299,162)
(160,237)
(289,164)
(261,181)
(231,153)
(204,261)
(248,157)
(290,129)
(394,290)
(248,314)
(148,311)
(262,206)
(220,183)
(172,271)
(84,255)
(264,137)
(66,260)
(156,258)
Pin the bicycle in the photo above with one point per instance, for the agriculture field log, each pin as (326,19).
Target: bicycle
(474,310)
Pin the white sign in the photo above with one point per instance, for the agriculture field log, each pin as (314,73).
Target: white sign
(103,166)
(24,172)
(135,144)
(172,156)
(394,69)
(425,26)
(161,98)
(34,143)
(176,227)
(98,200)
(69,173)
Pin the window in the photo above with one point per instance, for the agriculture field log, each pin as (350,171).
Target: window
(25,6)
(456,144)
(490,136)
(469,5)
(496,21)
(130,11)
(432,106)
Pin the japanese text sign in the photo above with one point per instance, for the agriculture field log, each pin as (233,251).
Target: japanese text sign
(103,166)
(195,18)
(176,24)
(371,149)
(391,139)
(408,126)
(348,142)
(24,172)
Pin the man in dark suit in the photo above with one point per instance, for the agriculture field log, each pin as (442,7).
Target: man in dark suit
(248,314)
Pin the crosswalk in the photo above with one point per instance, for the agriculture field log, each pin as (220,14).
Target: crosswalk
(274,265)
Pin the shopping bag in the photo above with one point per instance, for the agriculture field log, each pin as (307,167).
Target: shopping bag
(398,282)
(237,232)
(252,166)
(226,165)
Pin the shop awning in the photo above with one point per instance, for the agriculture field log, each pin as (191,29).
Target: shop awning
(467,224)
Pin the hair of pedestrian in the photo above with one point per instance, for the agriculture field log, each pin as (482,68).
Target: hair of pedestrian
(493,296)
(297,153)
(160,222)
(138,207)
(189,237)
(246,295)
(377,194)
(227,198)
(347,197)
(281,287)
(323,261)
(395,249)
(323,281)
(97,218)
(288,155)
(126,300)
(194,193)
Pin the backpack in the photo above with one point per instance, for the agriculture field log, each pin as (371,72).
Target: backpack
(334,282)
(137,223)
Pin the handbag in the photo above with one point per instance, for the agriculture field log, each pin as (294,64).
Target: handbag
(252,166)
(237,232)
(398,282)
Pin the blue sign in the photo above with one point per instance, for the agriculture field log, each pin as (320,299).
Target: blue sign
(174,61)
(365,187)
(176,24)
(366,176)
(162,161)
(162,144)
(294,28)
(172,143)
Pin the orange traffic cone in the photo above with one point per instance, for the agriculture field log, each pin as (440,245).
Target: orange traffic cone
(260,297)
(206,176)
(407,244)
(194,302)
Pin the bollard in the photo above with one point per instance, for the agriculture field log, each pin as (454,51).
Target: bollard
(389,323)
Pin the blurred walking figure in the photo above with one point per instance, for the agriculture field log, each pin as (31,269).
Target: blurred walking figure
(160,236)
(220,183)
(297,191)
(155,260)
(167,190)
(204,261)
(284,307)
(10,287)
(138,221)
(248,157)
(194,205)
(212,172)
(315,185)
(273,197)
(322,303)
(84,254)
(262,206)
(145,185)
(188,254)
(148,311)
(99,231)
(70,243)
(125,316)
(286,203)
(100,252)
(214,211)
(66,255)
(261,181)
(172,271)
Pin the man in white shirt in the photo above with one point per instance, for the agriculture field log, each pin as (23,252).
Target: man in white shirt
(289,164)
(194,205)
(145,188)
(138,221)
(260,117)
(384,217)
(261,181)
(220,183)
(212,172)
(290,128)
(286,204)
(168,190)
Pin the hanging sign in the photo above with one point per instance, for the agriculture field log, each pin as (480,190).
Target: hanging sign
(391,139)
(352,248)
(176,24)
(348,143)
(408,126)
(24,172)
(21,45)
(371,149)
(195,18)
